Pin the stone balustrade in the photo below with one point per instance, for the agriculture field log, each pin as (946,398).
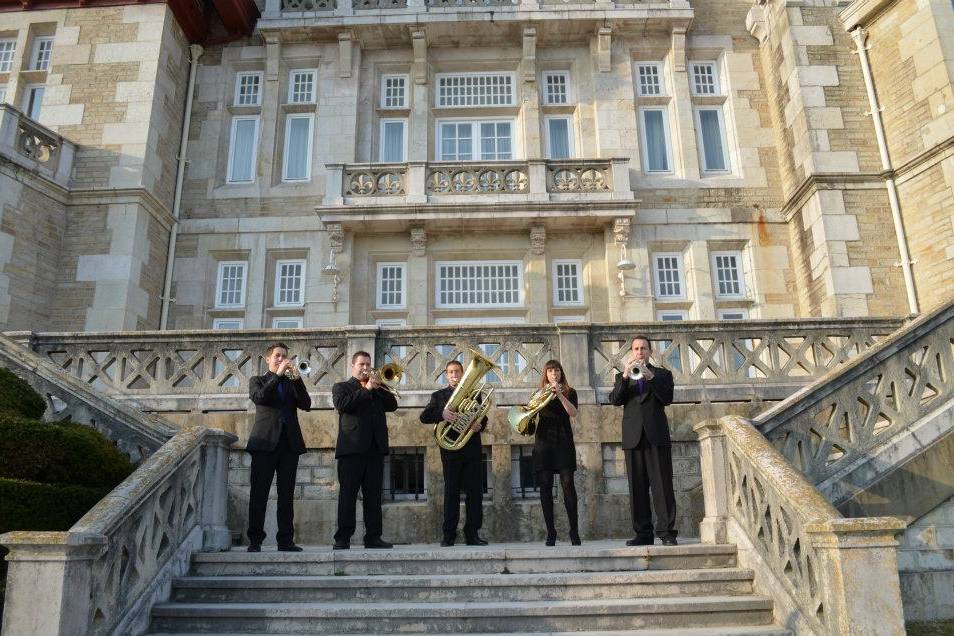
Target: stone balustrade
(827,574)
(35,147)
(347,7)
(103,575)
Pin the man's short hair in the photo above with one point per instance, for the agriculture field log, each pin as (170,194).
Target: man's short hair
(275,345)
(640,337)
(360,354)
(457,362)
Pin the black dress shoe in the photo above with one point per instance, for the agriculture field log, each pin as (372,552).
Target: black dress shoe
(447,543)
(475,540)
(378,544)
(291,547)
(639,541)
(255,547)
(669,541)
(575,539)
(341,546)
(551,540)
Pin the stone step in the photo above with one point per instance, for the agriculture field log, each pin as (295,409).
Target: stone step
(737,630)
(463,587)
(495,559)
(531,617)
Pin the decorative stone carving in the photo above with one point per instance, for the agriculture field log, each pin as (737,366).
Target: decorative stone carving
(375,182)
(538,239)
(345,53)
(578,178)
(477,180)
(621,231)
(379,4)
(419,66)
(419,241)
(335,237)
(603,49)
(472,3)
(308,5)
(755,23)
(36,144)
(679,50)
(529,61)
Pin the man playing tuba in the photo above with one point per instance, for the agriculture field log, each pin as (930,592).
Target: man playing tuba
(462,467)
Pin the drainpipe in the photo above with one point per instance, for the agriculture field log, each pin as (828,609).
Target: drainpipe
(195,51)
(860,34)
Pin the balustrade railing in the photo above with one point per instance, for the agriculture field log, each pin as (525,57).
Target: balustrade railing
(379,4)
(579,176)
(34,146)
(308,5)
(275,7)
(496,178)
(375,181)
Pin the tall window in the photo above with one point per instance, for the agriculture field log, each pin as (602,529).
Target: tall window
(667,269)
(475,140)
(711,131)
(559,137)
(301,86)
(243,147)
(7,49)
(655,146)
(230,289)
(393,140)
(33,101)
(42,52)
(556,87)
(567,283)
(475,89)
(298,139)
(248,89)
(289,283)
(404,474)
(650,79)
(394,91)
(727,274)
(705,78)
(392,281)
(480,284)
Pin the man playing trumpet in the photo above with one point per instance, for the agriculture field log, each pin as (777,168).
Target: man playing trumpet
(362,403)
(462,468)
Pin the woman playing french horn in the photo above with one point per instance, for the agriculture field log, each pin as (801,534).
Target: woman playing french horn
(554,451)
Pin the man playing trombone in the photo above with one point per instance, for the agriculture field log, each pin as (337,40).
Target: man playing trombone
(361,402)
(275,442)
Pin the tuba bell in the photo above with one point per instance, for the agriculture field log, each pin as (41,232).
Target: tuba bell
(470,401)
(523,419)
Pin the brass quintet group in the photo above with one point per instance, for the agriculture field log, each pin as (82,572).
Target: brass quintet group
(458,413)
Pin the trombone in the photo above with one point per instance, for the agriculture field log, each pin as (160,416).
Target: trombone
(389,376)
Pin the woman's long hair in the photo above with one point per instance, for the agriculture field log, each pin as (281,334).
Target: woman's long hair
(555,364)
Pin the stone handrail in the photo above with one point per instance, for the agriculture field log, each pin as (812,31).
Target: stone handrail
(478,178)
(276,8)
(69,396)
(375,180)
(839,420)
(35,146)
(103,575)
(827,574)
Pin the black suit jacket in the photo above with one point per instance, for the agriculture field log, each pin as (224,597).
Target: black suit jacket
(433,413)
(267,429)
(644,413)
(362,423)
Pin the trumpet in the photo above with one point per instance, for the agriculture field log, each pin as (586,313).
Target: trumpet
(298,369)
(388,376)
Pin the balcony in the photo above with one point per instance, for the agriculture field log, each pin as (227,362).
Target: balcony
(35,147)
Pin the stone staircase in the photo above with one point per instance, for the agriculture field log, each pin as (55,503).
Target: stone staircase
(600,587)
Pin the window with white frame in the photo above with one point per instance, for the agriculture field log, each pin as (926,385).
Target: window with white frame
(475,89)
(393,145)
(567,283)
(7,49)
(391,322)
(298,140)
(227,323)
(733,314)
(479,284)
(650,79)
(727,274)
(705,78)
(394,91)
(667,269)
(248,89)
(33,100)
(230,286)
(563,319)
(672,315)
(301,86)
(654,126)
(287,323)
(290,283)
(392,283)
(243,148)
(42,52)
(3,93)
(475,140)
(556,87)
(710,127)
(559,137)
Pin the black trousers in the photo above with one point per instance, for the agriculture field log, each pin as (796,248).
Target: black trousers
(266,464)
(365,473)
(649,470)
(462,474)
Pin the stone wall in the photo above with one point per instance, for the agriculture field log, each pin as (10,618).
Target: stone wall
(926,565)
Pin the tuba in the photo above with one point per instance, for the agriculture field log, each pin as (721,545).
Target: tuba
(464,400)
(523,419)
(389,376)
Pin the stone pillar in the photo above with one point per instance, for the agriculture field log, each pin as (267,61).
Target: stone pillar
(685,157)
(418,289)
(532,141)
(419,125)
(363,338)
(699,279)
(272,120)
(538,299)
(575,358)
(715,475)
(216,536)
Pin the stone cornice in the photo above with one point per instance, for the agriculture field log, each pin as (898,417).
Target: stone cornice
(840,181)
(862,12)
(113,196)
(927,159)
(34,181)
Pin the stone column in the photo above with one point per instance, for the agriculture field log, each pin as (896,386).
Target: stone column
(216,536)
(419,124)
(418,291)
(532,142)
(271,120)
(699,279)
(715,475)
(538,300)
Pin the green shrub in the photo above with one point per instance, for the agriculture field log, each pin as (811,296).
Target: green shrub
(64,453)
(26,505)
(18,398)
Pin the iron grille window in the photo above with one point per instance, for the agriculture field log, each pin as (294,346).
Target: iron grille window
(479,284)
(404,474)
(523,479)
(478,89)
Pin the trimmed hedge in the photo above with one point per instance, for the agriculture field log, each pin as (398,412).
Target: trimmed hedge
(27,505)
(59,453)
(18,398)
